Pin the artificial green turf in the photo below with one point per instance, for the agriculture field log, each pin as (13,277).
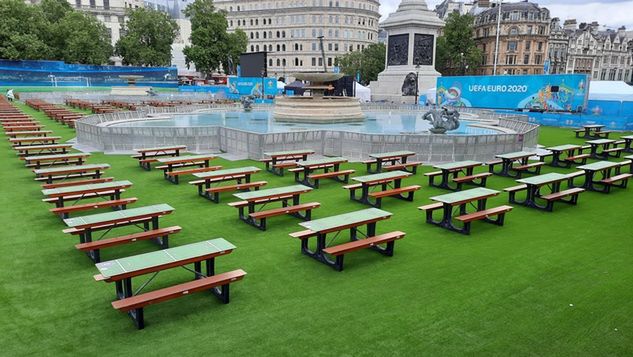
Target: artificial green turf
(558,284)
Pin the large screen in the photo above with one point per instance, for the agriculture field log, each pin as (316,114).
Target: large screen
(253,64)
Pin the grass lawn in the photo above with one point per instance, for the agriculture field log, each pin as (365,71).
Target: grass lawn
(557,284)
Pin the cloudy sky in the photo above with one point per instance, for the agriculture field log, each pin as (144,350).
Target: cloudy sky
(612,13)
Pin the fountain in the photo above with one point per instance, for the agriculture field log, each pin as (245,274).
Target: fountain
(318,108)
(132,88)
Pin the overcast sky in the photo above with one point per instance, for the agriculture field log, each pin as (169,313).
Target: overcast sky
(612,13)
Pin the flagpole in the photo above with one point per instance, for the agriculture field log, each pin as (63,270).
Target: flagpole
(494,69)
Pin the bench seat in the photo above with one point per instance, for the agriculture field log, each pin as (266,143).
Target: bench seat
(485,214)
(469,179)
(340,250)
(413,165)
(303,234)
(64,212)
(285,165)
(529,166)
(582,157)
(331,174)
(623,179)
(81,196)
(138,302)
(261,216)
(429,209)
(192,171)
(237,187)
(562,194)
(77,183)
(395,191)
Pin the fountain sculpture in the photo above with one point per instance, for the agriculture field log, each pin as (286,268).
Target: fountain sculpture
(443,120)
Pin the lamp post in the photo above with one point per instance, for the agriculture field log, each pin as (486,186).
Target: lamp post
(417,87)
(263,73)
(494,68)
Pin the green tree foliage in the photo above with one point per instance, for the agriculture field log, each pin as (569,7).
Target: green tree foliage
(148,40)
(370,62)
(211,45)
(51,30)
(456,52)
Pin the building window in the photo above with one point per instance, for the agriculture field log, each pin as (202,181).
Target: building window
(526,59)
(78,3)
(538,59)
(527,45)
(512,45)
(529,29)
(540,46)
(514,31)
(313,61)
(93,3)
(106,4)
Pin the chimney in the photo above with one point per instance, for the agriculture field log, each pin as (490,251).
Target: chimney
(570,24)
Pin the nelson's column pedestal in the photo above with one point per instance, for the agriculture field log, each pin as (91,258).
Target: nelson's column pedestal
(412,36)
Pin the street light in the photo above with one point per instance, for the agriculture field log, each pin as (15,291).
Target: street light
(417,87)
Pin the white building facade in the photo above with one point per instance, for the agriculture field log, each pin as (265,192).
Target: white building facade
(289,30)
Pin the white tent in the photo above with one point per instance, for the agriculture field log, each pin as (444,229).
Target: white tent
(363,93)
(280,85)
(431,94)
(610,90)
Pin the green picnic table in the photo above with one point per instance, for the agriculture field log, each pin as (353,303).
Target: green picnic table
(383,179)
(535,192)
(605,169)
(392,157)
(600,149)
(453,169)
(507,162)
(304,172)
(37,161)
(277,158)
(219,176)
(112,189)
(170,163)
(557,151)
(49,174)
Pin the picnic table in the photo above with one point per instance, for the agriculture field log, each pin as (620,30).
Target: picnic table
(77,193)
(17,133)
(476,197)
(543,190)
(354,222)
(304,173)
(289,197)
(450,172)
(590,131)
(66,172)
(242,175)
(396,160)
(38,161)
(600,149)
(278,160)
(33,140)
(54,149)
(170,164)
(600,176)
(628,141)
(148,155)
(123,270)
(571,152)
(508,169)
(390,184)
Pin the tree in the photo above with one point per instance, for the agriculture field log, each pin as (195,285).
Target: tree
(369,62)
(148,40)
(22,29)
(85,39)
(457,53)
(211,45)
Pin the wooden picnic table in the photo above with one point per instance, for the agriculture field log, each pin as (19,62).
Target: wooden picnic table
(38,161)
(568,150)
(543,190)
(277,160)
(122,271)
(600,149)
(171,163)
(393,158)
(24,127)
(507,163)
(32,140)
(589,131)
(462,200)
(77,193)
(61,173)
(308,167)
(288,195)
(451,171)
(600,176)
(242,175)
(15,134)
(352,221)
(146,154)
(54,149)
(384,180)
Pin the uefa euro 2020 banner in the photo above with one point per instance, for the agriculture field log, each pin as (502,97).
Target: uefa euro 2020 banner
(252,86)
(554,92)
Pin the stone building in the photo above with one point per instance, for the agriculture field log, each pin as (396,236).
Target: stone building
(289,30)
(447,7)
(523,38)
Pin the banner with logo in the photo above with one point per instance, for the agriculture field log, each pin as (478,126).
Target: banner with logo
(252,86)
(556,92)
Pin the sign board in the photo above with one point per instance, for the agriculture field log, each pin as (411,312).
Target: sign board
(556,92)
(252,86)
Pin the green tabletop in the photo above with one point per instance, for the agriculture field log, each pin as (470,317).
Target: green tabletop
(627,137)
(599,165)
(324,161)
(164,148)
(351,218)
(112,268)
(122,214)
(392,154)
(593,126)
(543,179)
(53,170)
(515,155)
(457,165)
(228,172)
(177,159)
(600,141)
(564,147)
(382,176)
(36,138)
(466,195)
(630,157)
(289,152)
(81,188)
(56,157)
(272,192)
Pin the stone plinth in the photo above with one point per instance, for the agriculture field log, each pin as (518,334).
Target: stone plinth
(322,110)
(412,37)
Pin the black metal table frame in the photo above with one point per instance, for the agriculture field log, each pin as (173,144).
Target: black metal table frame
(303,176)
(366,187)
(274,160)
(587,133)
(596,186)
(557,162)
(215,196)
(175,178)
(447,216)
(507,167)
(147,166)
(95,174)
(392,160)
(445,183)
(65,161)
(284,203)
(534,194)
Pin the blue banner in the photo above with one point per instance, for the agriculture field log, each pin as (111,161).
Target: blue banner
(559,92)
(252,86)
